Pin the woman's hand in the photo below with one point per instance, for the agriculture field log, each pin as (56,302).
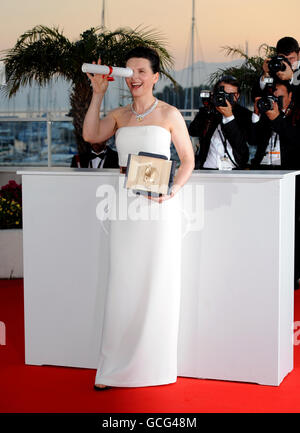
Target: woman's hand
(164,197)
(98,82)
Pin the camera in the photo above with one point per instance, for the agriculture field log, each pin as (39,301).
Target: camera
(266,103)
(219,97)
(276,64)
(205,96)
(216,98)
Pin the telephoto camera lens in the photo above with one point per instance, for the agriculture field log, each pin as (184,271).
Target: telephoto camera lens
(219,97)
(276,64)
(265,104)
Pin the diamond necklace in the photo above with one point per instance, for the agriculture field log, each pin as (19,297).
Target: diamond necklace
(140,117)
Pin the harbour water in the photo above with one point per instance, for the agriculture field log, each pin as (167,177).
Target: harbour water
(25,142)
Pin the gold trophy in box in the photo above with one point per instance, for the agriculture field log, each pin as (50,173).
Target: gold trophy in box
(149,173)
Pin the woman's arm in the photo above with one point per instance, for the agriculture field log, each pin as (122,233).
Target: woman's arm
(96,130)
(184,148)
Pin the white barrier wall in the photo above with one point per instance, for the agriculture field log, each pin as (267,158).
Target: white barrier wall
(237,272)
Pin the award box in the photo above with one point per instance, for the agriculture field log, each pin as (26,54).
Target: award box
(149,174)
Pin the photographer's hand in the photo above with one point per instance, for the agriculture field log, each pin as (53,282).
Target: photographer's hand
(266,68)
(256,110)
(286,75)
(225,111)
(274,113)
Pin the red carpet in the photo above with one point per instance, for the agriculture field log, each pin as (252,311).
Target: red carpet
(25,388)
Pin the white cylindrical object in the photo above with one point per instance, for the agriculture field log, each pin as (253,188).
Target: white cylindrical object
(105,70)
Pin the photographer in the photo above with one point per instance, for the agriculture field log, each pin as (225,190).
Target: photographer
(276,133)
(284,66)
(222,126)
(276,129)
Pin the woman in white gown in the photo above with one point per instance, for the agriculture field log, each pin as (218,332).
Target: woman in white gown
(140,329)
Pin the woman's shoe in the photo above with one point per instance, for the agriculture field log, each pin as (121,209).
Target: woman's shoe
(97,388)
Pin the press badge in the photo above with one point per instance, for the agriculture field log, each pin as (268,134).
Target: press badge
(272,155)
(225,163)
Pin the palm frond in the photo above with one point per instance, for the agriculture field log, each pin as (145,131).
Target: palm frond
(265,50)
(115,45)
(234,51)
(43,53)
(248,72)
(37,56)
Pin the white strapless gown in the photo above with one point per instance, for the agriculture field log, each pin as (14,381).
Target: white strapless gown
(140,329)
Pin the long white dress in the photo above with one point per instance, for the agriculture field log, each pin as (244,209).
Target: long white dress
(140,330)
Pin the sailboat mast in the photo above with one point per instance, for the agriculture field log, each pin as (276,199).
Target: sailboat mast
(103,14)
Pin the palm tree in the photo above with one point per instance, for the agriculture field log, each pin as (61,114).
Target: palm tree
(43,53)
(248,72)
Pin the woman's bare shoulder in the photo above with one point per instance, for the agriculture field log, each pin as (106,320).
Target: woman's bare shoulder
(119,113)
(168,109)
(120,110)
(171,113)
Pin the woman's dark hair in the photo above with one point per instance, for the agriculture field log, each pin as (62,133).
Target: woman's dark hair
(145,53)
(228,79)
(287,45)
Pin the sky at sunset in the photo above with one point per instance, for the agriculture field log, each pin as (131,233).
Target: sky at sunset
(218,23)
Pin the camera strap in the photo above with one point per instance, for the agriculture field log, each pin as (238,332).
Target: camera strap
(274,151)
(223,139)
